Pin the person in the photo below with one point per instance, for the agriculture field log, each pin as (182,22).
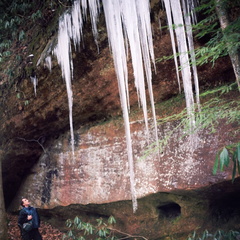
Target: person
(26,214)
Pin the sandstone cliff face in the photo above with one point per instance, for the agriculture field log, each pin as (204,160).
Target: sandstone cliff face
(174,188)
(99,172)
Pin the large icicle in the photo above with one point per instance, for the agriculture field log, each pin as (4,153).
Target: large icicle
(183,51)
(170,24)
(130,21)
(63,52)
(116,41)
(183,32)
(186,13)
(70,28)
(145,33)
(184,47)
(128,26)
(134,17)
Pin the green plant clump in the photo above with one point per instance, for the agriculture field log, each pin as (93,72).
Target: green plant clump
(13,16)
(218,235)
(223,159)
(79,229)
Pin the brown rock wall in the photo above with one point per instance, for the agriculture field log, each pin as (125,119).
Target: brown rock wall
(36,153)
(99,173)
(177,192)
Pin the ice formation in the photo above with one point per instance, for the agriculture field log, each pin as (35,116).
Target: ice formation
(178,15)
(35,83)
(129,29)
(131,20)
(63,52)
(128,26)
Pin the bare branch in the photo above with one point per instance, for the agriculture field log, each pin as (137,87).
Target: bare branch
(34,140)
(127,235)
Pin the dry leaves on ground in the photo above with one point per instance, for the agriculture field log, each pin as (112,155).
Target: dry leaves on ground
(47,231)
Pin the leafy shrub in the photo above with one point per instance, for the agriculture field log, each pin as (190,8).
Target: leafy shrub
(79,229)
(101,231)
(13,15)
(223,159)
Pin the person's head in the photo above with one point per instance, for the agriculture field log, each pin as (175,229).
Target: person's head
(25,202)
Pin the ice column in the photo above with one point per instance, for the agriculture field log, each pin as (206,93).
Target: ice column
(128,26)
(63,52)
(185,45)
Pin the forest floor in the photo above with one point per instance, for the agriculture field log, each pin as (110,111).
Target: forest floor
(47,231)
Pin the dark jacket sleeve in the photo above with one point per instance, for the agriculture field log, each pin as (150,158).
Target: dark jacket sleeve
(22,218)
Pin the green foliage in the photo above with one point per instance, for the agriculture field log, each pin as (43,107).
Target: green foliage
(10,73)
(4,49)
(14,14)
(21,35)
(223,157)
(36,15)
(218,235)
(217,43)
(100,231)
(79,229)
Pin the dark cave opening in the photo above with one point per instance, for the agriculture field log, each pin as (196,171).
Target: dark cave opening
(169,210)
(226,208)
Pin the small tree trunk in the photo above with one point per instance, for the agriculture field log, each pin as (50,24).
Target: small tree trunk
(224,22)
(3,219)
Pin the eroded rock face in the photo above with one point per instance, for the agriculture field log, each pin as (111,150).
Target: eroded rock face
(172,187)
(100,166)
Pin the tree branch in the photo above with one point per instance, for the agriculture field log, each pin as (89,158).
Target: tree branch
(34,140)
(127,235)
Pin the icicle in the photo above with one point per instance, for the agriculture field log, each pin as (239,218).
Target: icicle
(130,21)
(170,24)
(48,63)
(35,83)
(63,53)
(178,21)
(134,17)
(145,34)
(70,28)
(183,50)
(116,41)
(125,20)
(188,23)
(94,8)
(77,23)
